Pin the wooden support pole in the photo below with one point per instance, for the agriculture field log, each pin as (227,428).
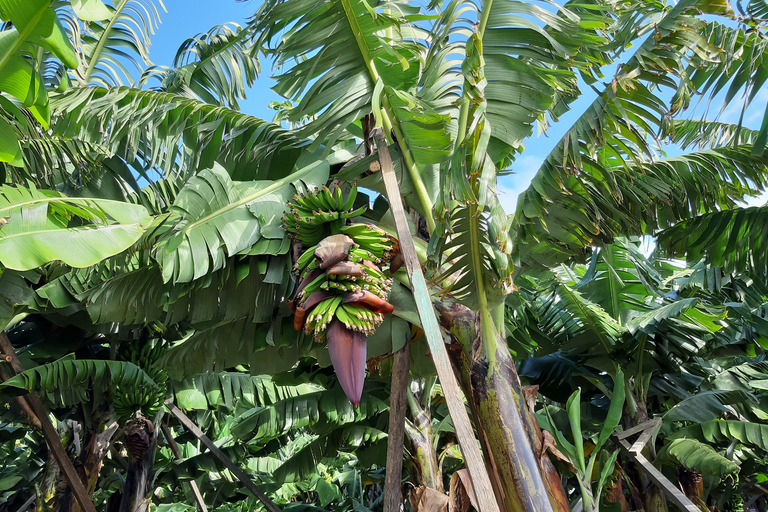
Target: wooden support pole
(453,396)
(633,451)
(393,493)
(177,455)
(239,473)
(50,434)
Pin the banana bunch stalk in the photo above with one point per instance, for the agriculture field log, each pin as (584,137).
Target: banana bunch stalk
(342,293)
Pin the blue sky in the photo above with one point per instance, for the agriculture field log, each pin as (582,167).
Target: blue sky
(186,18)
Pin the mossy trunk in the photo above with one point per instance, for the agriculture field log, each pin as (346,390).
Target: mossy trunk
(418,430)
(523,480)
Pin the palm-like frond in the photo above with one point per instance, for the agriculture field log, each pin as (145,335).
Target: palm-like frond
(575,321)
(703,134)
(724,431)
(113,42)
(215,66)
(527,50)
(213,390)
(617,135)
(314,406)
(171,131)
(326,447)
(708,405)
(563,211)
(733,239)
(66,381)
(220,218)
(335,53)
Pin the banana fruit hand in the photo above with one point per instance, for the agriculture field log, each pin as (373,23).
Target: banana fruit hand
(342,293)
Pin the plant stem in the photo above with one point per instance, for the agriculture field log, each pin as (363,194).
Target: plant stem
(388,117)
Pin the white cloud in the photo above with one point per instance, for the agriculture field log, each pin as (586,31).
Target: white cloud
(757,201)
(507,198)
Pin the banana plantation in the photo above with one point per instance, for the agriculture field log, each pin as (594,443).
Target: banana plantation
(331,310)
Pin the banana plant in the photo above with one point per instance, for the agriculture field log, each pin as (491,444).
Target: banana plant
(598,462)
(457,88)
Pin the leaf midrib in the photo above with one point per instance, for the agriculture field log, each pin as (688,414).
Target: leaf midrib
(102,42)
(252,197)
(22,37)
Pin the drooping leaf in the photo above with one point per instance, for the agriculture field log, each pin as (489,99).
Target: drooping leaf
(36,231)
(219,218)
(699,457)
(707,405)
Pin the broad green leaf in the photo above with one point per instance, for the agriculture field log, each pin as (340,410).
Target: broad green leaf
(699,457)
(220,218)
(10,150)
(17,76)
(36,231)
(91,10)
(707,405)
(37,23)
(614,411)
(573,406)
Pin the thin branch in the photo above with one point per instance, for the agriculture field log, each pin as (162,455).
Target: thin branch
(239,473)
(393,493)
(50,434)
(177,455)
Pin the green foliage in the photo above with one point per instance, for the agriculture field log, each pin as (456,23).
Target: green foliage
(699,457)
(197,258)
(36,228)
(67,381)
(732,239)
(218,218)
(598,462)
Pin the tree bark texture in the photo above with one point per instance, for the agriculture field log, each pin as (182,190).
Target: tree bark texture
(393,493)
(511,438)
(88,465)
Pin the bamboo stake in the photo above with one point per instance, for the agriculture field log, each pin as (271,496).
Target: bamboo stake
(393,493)
(177,455)
(50,434)
(453,397)
(239,473)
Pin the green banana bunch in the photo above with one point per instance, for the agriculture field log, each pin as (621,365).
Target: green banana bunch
(319,213)
(373,239)
(342,291)
(147,399)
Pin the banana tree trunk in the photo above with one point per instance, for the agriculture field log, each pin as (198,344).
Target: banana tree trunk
(692,484)
(418,430)
(511,438)
(87,464)
(141,440)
